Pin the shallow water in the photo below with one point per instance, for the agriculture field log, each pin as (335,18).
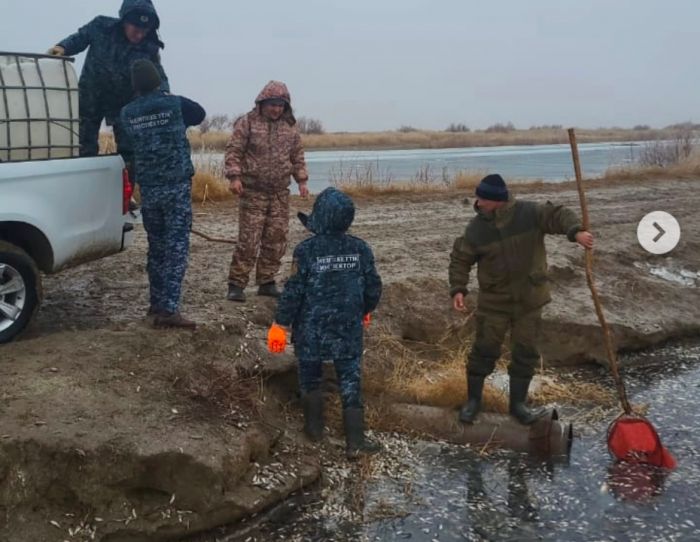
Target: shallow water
(437,492)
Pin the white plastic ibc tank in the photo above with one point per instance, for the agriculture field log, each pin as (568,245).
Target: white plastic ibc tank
(38,107)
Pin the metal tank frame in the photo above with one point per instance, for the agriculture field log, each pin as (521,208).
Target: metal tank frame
(72,124)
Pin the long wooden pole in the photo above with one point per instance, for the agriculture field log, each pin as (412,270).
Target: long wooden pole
(607,335)
(213,239)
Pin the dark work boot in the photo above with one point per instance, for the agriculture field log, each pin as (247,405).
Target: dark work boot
(235,293)
(268,289)
(475,387)
(356,442)
(153,311)
(518,398)
(312,403)
(172,320)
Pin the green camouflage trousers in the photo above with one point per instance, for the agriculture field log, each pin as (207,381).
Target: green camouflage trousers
(491,331)
(263,224)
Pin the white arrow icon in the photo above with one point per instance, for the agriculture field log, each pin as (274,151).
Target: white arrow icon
(659,232)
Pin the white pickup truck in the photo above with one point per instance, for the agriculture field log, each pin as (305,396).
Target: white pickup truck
(56,214)
(56,210)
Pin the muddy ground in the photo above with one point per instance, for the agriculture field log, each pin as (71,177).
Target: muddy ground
(111,430)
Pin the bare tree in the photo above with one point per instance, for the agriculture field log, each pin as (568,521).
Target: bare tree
(205,125)
(669,151)
(216,123)
(307,125)
(500,128)
(457,127)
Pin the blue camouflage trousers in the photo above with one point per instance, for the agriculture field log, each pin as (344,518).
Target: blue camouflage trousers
(91,117)
(167,218)
(348,372)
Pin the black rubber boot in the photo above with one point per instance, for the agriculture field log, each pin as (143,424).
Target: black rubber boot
(312,403)
(356,442)
(269,289)
(235,293)
(475,387)
(518,398)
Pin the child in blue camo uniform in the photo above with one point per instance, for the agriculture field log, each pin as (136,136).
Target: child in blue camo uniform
(334,283)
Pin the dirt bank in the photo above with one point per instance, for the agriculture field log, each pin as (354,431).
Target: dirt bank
(108,426)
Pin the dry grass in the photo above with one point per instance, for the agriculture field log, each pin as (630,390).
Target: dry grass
(211,141)
(404,376)
(107,144)
(429,139)
(372,186)
(686,169)
(208,187)
(220,389)
(426,139)
(209,183)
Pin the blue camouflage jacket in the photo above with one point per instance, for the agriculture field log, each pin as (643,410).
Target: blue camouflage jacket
(334,283)
(156,125)
(105,82)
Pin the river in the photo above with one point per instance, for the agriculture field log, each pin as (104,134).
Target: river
(528,162)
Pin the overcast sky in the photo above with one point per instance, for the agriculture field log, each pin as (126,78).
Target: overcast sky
(372,64)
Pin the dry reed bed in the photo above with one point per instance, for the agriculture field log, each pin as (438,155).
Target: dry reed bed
(399,373)
(427,139)
(209,183)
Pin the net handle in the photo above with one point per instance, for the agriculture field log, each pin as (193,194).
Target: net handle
(607,335)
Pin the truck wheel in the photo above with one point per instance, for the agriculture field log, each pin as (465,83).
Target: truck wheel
(20,290)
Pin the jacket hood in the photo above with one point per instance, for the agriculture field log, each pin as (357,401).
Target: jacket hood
(274,89)
(333,212)
(147,6)
(277,89)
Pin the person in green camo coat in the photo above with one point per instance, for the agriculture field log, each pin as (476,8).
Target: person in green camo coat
(505,240)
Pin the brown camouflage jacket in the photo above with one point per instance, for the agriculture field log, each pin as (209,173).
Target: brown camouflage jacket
(265,153)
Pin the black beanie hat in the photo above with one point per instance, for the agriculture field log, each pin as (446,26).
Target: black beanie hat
(142,19)
(144,76)
(493,188)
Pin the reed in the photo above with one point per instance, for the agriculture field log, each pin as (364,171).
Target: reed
(402,375)
(430,139)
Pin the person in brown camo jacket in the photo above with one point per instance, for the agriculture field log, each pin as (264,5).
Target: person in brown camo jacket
(264,152)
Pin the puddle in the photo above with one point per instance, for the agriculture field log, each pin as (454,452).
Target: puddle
(684,277)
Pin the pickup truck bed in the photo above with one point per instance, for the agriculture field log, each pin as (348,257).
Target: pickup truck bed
(55,214)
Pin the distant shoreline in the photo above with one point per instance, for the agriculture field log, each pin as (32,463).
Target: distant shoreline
(424,139)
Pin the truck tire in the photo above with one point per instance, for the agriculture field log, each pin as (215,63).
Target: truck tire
(20,290)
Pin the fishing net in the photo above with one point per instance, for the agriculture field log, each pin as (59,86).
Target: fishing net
(633,439)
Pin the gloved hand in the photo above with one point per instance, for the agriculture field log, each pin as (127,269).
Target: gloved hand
(276,339)
(367,320)
(56,50)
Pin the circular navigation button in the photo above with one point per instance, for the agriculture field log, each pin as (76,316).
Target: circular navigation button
(658,232)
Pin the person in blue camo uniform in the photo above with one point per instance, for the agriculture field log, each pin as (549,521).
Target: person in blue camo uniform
(105,81)
(156,124)
(333,284)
